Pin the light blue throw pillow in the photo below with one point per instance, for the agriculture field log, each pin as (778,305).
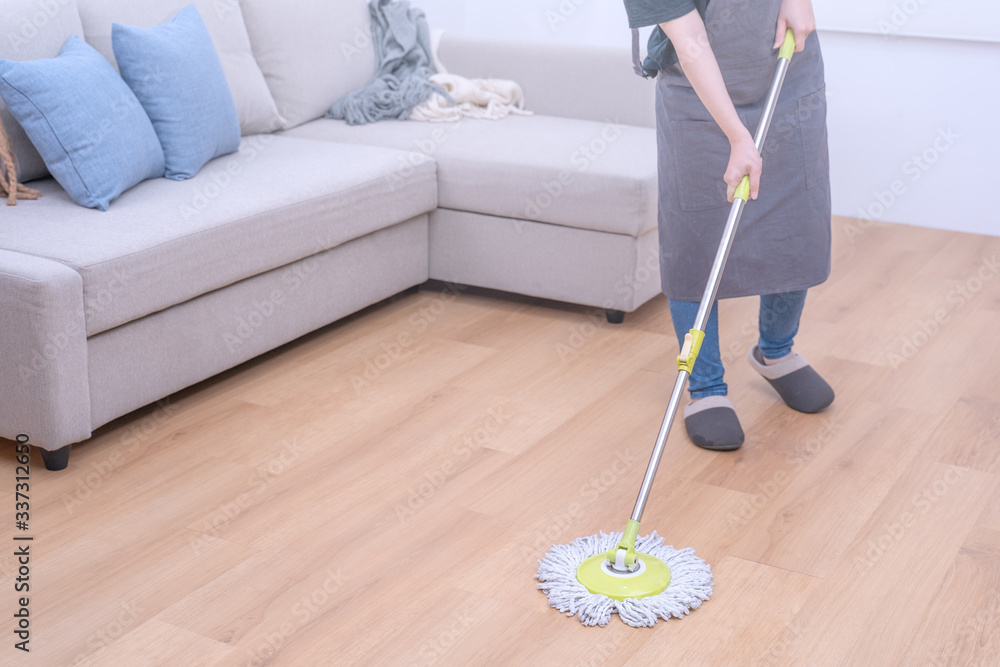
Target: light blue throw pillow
(175,72)
(84,121)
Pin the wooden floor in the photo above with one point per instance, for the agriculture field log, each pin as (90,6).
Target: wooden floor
(380,492)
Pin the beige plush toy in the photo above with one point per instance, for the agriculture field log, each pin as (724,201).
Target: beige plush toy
(8,172)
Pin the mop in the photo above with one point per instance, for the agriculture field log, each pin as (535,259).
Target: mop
(640,578)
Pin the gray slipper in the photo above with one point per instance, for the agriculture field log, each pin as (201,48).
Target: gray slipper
(800,387)
(712,424)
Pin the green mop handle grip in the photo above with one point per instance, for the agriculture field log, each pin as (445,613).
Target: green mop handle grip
(784,53)
(788,48)
(743,189)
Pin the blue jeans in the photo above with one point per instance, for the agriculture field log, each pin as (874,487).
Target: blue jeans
(778,323)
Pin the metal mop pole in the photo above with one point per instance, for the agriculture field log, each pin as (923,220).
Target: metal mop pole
(624,554)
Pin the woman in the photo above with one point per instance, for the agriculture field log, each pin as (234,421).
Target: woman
(714,60)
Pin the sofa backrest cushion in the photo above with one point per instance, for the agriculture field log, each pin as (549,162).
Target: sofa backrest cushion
(312,52)
(224,21)
(29,30)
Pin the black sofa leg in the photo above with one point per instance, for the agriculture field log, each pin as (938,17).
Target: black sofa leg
(614,316)
(56,459)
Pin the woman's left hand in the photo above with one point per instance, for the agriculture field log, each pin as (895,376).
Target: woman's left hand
(797,15)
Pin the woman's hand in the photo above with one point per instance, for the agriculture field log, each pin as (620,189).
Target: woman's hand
(702,69)
(797,15)
(743,159)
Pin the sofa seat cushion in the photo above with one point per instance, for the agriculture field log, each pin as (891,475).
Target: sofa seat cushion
(276,201)
(576,173)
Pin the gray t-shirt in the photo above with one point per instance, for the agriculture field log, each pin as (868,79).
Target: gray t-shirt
(642,13)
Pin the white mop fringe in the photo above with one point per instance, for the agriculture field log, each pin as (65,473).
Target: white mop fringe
(690,582)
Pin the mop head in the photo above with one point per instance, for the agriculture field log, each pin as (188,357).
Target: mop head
(690,582)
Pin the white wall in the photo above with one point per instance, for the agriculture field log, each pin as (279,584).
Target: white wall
(913,120)
(599,22)
(952,19)
(913,130)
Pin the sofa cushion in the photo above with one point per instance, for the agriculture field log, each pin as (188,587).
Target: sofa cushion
(576,173)
(276,201)
(224,21)
(312,52)
(94,135)
(30,30)
(188,98)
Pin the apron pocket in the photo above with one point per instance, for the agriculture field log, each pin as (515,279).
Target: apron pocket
(700,154)
(812,121)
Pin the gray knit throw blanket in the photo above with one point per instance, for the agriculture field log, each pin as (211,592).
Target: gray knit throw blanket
(403,67)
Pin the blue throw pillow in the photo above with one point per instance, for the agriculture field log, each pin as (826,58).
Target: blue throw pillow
(175,72)
(84,121)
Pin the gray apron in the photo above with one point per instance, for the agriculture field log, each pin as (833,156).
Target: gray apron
(783,242)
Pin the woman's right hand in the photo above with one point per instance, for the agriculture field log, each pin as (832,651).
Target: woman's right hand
(743,159)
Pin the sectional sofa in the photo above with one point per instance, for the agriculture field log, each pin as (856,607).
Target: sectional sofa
(104,312)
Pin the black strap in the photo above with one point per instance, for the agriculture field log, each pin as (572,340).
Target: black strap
(636,61)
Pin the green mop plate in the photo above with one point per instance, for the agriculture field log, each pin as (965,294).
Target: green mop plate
(651,578)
